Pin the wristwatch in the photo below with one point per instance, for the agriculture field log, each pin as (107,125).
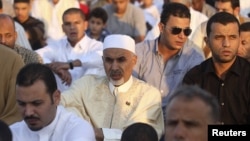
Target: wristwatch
(71,66)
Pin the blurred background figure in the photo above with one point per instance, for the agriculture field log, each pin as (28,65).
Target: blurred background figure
(203,7)
(97,24)
(126,18)
(50,13)
(9,36)
(33,27)
(97,3)
(21,40)
(8,7)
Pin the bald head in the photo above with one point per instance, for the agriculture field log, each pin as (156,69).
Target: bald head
(7,31)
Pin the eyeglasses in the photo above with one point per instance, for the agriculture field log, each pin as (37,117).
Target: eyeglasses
(177,30)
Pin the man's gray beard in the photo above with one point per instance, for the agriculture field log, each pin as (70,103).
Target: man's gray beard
(117,82)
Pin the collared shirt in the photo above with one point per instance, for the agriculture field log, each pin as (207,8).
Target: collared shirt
(233,93)
(91,98)
(123,88)
(150,66)
(66,126)
(88,51)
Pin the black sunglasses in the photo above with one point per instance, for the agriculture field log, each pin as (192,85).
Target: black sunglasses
(177,30)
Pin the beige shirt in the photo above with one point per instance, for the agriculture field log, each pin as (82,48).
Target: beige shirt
(91,98)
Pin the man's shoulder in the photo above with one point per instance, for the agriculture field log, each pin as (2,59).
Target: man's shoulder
(145,46)
(70,121)
(34,21)
(4,50)
(68,118)
(91,42)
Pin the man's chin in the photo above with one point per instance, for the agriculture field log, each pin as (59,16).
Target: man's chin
(35,128)
(117,82)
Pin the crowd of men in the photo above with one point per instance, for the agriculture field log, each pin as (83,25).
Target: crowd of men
(106,70)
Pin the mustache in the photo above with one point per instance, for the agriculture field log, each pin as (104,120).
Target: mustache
(115,72)
(31,117)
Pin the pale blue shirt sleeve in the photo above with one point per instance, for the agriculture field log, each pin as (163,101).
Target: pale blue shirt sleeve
(21,37)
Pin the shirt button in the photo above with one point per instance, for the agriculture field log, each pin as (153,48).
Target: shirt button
(222,84)
(161,91)
(222,104)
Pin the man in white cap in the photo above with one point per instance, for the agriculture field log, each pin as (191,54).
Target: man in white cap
(113,102)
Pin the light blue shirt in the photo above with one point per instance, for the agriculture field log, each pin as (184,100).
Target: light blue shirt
(150,66)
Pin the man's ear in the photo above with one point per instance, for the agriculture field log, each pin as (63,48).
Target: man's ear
(161,27)
(205,39)
(134,60)
(236,11)
(57,97)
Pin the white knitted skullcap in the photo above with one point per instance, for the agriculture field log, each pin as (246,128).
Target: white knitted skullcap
(119,41)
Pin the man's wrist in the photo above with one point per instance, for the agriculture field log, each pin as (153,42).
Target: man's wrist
(71,65)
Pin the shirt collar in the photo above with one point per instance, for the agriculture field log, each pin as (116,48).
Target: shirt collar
(79,44)
(124,87)
(234,68)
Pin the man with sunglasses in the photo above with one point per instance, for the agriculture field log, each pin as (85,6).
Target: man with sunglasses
(164,61)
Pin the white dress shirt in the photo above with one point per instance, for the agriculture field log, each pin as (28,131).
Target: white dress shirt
(66,126)
(87,50)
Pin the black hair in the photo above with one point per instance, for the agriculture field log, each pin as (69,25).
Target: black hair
(139,132)
(174,9)
(33,72)
(74,10)
(234,3)
(99,12)
(222,18)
